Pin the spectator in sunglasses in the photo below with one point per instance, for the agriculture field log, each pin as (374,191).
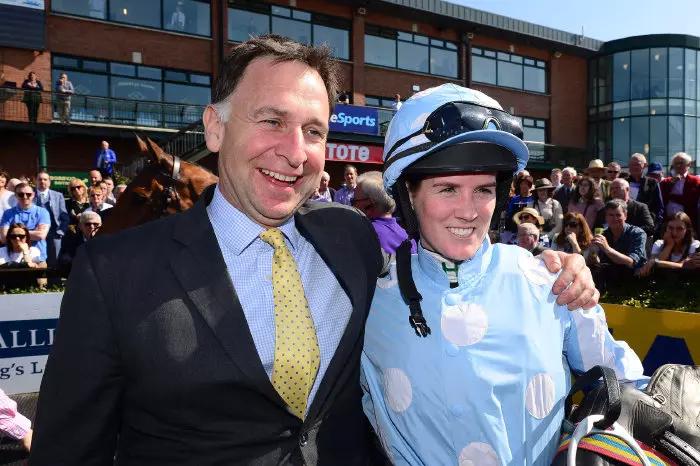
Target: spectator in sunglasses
(17,250)
(78,202)
(88,225)
(612,172)
(576,238)
(34,217)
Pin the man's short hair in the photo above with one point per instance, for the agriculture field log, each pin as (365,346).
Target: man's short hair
(621,181)
(349,167)
(90,216)
(571,170)
(95,188)
(372,186)
(21,185)
(42,172)
(529,228)
(280,49)
(555,170)
(683,156)
(614,204)
(639,157)
(614,164)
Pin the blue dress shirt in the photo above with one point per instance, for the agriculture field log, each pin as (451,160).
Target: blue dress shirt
(249,263)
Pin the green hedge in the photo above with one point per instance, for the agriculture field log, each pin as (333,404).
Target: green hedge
(664,290)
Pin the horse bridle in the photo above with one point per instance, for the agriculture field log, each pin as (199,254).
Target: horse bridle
(170,194)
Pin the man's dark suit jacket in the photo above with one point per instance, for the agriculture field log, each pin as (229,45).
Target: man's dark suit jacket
(561,195)
(71,242)
(153,360)
(650,194)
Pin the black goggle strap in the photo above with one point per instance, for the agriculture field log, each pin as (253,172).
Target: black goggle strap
(408,290)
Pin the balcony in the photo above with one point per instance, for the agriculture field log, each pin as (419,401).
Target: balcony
(92,110)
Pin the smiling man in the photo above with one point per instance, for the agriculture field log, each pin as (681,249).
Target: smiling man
(230,333)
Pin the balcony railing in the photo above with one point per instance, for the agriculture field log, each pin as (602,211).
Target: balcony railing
(15,105)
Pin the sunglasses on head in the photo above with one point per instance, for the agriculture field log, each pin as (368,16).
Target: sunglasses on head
(17,236)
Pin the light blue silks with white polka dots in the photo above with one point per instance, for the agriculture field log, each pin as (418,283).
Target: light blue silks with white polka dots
(487,387)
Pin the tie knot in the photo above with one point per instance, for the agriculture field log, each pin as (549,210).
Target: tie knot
(274,237)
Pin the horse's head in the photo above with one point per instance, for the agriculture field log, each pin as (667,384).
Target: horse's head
(163,185)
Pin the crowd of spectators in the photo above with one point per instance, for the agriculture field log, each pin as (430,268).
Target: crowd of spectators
(41,228)
(626,222)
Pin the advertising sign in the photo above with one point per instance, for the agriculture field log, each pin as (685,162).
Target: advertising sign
(353,152)
(354,119)
(61,180)
(27,330)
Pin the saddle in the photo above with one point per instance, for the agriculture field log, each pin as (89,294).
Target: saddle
(662,422)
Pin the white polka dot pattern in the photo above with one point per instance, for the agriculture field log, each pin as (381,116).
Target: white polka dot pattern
(464,324)
(535,270)
(297,355)
(539,396)
(397,389)
(478,454)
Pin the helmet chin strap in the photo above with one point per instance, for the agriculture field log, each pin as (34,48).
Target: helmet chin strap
(407,286)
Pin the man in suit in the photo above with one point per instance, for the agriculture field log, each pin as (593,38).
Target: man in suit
(54,202)
(230,333)
(564,192)
(681,191)
(645,189)
(637,213)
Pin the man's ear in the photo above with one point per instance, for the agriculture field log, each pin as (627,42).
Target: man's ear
(410,194)
(214,129)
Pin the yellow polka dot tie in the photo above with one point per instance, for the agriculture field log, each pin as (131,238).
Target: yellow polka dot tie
(297,356)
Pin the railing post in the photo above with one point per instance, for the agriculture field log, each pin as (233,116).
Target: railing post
(43,163)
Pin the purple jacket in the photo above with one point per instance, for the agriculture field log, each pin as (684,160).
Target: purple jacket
(391,234)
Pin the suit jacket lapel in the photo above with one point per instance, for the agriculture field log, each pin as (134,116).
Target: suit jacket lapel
(335,248)
(201,270)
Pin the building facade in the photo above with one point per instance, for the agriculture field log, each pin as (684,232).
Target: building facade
(148,66)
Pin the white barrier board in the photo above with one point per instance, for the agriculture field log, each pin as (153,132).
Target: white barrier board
(27,329)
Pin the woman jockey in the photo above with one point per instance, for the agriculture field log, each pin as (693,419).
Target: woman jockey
(479,373)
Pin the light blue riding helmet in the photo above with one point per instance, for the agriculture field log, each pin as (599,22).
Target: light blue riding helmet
(419,129)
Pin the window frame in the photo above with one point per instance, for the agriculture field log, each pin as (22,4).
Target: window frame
(124,23)
(536,123)
(396,36)
(315,19)
(513,59)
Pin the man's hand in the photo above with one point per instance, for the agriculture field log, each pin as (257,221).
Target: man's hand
(602,242)
(574,287)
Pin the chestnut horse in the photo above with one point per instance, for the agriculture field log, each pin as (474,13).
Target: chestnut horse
(163,185)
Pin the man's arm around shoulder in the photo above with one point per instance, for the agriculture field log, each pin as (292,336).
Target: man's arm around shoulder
(78,411)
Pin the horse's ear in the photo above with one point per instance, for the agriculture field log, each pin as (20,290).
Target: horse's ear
(155,150)
(143,147)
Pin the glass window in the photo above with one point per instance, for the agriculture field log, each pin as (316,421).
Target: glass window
(510,75)
(621,109)
(639,77)
(405,36)
(675,106)
(675,72)
(175,76)
(675,134)
(443,62)
(621,76)
(483,70)
(691,135)
(302,15)
(380,51)
(690,107)
(621,139)
(435,42)
(184,94)
(337,39)
(534,79)
(135,12)
(85,83)
(372,101)
(658,106)
(65,62)
(658,71)
(639,131)
(123,69)
(281,11)
(187,16)
(639,107)
(200,79)
(658,126)
(534,130)
(297,30)
(516,58)
(604,84)
(413,57)
(92,8)
(690,73)
(425,41)
(149,72)
(242,24)
(136,89)
(95,65)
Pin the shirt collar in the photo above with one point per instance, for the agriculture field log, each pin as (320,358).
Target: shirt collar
(236,231)
(469,271)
